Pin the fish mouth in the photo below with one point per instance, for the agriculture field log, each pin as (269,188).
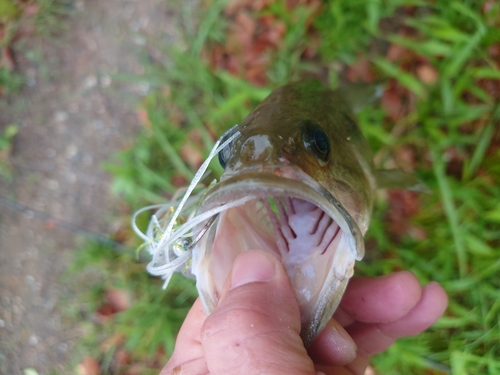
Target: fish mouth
(284,211)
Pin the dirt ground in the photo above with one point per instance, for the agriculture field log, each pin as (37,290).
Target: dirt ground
(73,115)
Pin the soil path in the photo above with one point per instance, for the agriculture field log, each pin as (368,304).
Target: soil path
(73,116)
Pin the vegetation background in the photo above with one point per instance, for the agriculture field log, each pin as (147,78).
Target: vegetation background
(438,118)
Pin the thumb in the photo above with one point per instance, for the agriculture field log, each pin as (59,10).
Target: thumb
(256,327)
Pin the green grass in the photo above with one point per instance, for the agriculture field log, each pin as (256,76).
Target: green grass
(42,19)
(449,126)
(5,149)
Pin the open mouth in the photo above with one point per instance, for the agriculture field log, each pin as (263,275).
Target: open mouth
(279,209)
(304,226)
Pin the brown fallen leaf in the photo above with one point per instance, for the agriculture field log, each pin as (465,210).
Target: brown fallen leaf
(494,52)
(112,342)
(191,155)
(392,103)
(104,314)
(142,115)
(119,299)
(136,369)
(427,74)
(244,25)
(122,357)
(361,71)
(31,9)
(396,52)
(50,224)
(491,86)
(196,137)
(88,366)
(179,181)
(404,204)
(235,6)
(256,72)
(7,60)
(405,158)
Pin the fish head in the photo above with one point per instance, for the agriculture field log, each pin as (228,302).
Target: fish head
(305,127)
(302,174)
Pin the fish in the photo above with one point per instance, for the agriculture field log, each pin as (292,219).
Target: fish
(299,182)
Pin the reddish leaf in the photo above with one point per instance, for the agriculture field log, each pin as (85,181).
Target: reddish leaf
(427,74)
(404,204)
(392,103)
(143,117)
(122,357)
(455,164)
(88,366)
(491,86)
(196,138)
(191,155)
(7,60)
(396,52)
(112,342)
(271,36)
(122,233)
(417,233)
(233,7)
(405,158)
(50,224)
(361,71)
(179,181)
(104,313)
(311,51)
(31,9)
(137,369)
(118,299)
(256,72)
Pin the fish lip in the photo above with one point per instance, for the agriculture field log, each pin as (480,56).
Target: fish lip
(270,182)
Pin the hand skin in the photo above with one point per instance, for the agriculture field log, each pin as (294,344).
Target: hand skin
(255,329)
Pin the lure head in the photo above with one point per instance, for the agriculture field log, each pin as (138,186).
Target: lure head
(299,183)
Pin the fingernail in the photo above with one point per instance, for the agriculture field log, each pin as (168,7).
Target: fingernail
(252,266)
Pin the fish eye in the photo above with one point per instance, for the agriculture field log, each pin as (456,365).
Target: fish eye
(316,140)
(321,141)
(224,155)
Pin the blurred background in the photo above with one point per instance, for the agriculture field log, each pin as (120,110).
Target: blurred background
(107,106)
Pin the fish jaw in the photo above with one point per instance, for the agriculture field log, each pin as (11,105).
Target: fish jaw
(291,216)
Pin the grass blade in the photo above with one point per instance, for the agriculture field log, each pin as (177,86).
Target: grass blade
(450,210)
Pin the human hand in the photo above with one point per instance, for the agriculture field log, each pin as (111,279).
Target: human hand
(255,329)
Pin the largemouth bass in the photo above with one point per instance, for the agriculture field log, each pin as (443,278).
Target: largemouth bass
(298,182)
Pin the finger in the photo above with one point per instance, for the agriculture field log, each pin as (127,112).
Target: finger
(381,299)
(188,357)
(430,307)
(332,370)
(333,346)
(256,327)
(374,338)
(370,339)
(359,365)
